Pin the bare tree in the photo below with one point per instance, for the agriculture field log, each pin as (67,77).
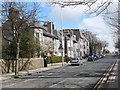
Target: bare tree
(98,7)
(94,6)
(113,19)
(17,18)
(95,44)
(47,47)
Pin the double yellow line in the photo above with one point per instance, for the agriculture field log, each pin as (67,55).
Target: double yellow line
(104,78)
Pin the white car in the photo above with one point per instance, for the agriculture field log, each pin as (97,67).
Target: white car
(76,61)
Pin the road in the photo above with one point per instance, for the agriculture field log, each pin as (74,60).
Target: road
(83,76)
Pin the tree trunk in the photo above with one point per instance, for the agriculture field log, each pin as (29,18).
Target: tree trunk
(17,56)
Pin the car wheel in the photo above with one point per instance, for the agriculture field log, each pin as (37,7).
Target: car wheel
(81,63)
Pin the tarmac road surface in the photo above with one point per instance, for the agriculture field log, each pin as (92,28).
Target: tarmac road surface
(83,76)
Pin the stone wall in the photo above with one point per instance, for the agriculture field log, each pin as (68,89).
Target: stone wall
(8,66)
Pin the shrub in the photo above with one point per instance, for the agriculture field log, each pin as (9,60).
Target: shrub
(17,76)
(57,59)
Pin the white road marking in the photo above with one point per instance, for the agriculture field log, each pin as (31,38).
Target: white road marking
(75,75)
(112,77)
(50,73)
(113,73)
(116,66)
(53,85)
(62,81)
(29,80)
(59,71)
(57,83)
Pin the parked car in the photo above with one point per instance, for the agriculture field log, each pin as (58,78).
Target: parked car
(91,58)
(76,61)
(101,56)
(96,56)
(104,55)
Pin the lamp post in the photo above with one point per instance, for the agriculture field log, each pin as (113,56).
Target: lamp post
(62,50)
(62,37)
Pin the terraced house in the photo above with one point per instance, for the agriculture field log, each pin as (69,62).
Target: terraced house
(72,42)
(77,45)
(49,38)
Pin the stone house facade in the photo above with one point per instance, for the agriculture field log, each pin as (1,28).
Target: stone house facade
(72,42)
(77,44)
(48,36)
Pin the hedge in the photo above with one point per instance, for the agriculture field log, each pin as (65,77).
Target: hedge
(56,59)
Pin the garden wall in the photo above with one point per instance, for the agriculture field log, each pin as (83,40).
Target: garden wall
(8,66)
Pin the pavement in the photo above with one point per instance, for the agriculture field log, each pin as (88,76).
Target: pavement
(119,73)
(25,72)
(114,77)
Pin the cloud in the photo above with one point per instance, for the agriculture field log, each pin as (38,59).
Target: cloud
(68,13)
(98,26)
(95,24)
(72,13)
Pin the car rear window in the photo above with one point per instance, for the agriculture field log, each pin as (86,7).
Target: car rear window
(75,58)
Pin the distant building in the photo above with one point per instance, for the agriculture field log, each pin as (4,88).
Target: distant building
(77,45)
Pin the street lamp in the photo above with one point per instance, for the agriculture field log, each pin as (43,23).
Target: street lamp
(62,6)
(61,51)
(62,37)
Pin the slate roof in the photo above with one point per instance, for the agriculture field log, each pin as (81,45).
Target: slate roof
(45,31)
(75,32)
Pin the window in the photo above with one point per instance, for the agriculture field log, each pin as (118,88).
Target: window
(37,36)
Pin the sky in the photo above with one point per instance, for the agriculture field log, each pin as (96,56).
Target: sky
(76,17)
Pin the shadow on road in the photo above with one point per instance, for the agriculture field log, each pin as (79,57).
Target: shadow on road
(46,75)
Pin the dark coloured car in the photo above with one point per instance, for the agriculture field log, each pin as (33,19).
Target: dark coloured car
(91,58)
(101,55)
(96,56)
